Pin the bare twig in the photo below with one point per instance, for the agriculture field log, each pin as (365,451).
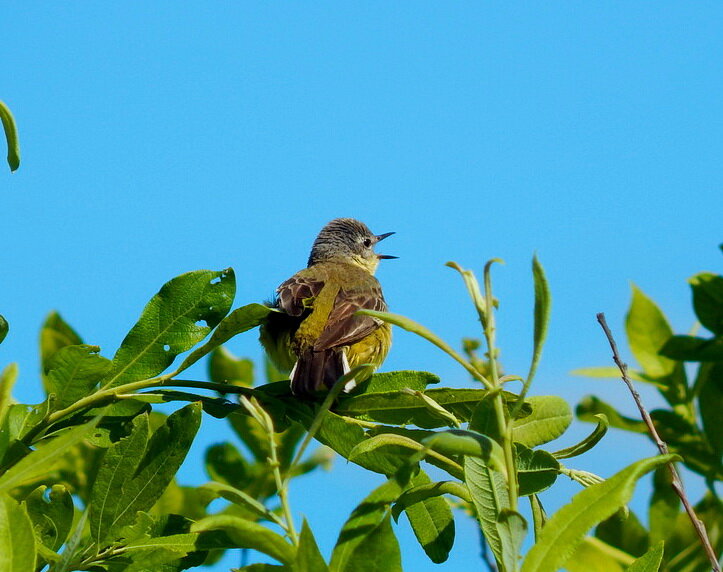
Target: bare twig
(677,483)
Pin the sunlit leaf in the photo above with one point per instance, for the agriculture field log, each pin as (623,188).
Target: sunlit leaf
(308,557)
(136,470)
(4,328)
(11,136)
(624,531)
(17,541)
(594,555)
(241,498)
(650,561)
(588,442)
(550,418)
(248,534)
(357,536)
(179,316)
(664,506)
(590,407)
(542,314)
(73,373)
(566,528)
(648,330)
(44,459)
(419,493)
(224,367)
(397,380)
(458,442)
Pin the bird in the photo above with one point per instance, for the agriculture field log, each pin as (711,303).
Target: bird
(315,333)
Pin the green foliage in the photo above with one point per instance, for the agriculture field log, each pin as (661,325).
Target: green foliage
(88,476)
(690,425)
(11,136)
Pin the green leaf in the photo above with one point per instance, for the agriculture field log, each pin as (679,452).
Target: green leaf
(415,328)
(458,442)
(239,321)
(308,557)
(566,528)
(432,522)
(594,555)
(55,334)
(647,330)
(247,534)
(4,328)
(52,517)
(664,506)
(396,381)
(8,377)
(11,136)
(73,373)
(542,314)
(242,499)
(419,493)
(650,561)
(357,539)
(624,531)
(43,460)
(550,418)
(377,550)
(136,470)
(612,372)
(171,323)
(536,470)
(17,541)
(691,348)
(708,300)
(588,442)
(590,407)
(399,408)
(710,403)
(504,530)
(224,367)
(539,517)
(225,463)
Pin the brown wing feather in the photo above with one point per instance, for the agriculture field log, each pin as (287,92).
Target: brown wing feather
(292,293)
(343,328)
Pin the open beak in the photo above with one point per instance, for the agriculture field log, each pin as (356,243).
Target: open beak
(381,237)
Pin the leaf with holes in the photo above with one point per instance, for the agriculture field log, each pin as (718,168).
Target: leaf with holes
(172,323)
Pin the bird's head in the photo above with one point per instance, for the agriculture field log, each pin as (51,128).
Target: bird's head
(348,240)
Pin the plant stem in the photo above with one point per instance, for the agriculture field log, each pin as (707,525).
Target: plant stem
(677,483)
(282,487)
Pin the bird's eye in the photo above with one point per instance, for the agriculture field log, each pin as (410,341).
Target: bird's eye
(367,242)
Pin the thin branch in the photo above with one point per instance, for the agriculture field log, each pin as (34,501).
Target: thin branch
(677,483)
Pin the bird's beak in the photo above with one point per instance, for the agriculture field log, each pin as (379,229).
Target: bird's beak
(381,237)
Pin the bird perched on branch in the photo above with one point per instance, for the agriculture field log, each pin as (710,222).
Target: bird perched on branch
(316,333)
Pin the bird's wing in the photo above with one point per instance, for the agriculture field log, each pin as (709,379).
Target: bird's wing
(292,294)
(343,328)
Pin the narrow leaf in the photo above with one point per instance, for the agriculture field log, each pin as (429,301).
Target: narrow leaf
(647,330)
(396,381)
(248,534)
(44,459)
(458,442)
(566,527)
(17,541)
(171,323)
(664,506)
(371,513)
(11,136)
(550,418)
(590,407)
(588,442)
(542,314)
(240,498)
(308,556)
(650,561)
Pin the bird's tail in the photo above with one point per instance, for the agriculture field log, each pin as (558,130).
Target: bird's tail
(317,371)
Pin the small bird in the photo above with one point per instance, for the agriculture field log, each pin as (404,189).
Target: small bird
(316,334)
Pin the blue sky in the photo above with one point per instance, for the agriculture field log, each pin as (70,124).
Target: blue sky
(162,138)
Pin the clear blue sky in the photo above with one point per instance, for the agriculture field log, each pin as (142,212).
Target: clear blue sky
(165,137)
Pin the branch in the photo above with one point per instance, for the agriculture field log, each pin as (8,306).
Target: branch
(677,483)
